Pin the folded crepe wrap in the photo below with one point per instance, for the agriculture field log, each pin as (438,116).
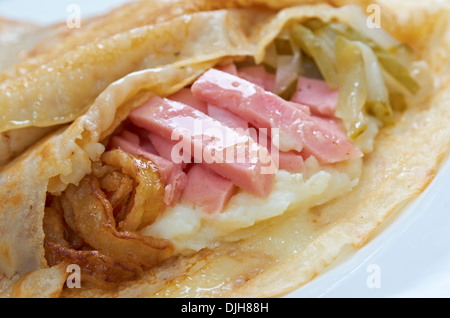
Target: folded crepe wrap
(103,79)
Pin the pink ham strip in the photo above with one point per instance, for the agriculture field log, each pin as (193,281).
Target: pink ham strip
(166,117)
(259,76)
(199,178)
(165,147)
(207,189)
(162,146)
(141,140)
(291,161)
(263,109)
(313,93)
(226,117)
(185,96)
(173,177)
(229,68)
(131,137)
(316,94)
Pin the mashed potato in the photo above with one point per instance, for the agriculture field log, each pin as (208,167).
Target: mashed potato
(191,230)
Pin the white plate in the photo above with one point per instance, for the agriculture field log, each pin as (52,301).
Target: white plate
(410,257)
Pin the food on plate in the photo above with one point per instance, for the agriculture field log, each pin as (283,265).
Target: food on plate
(214,148)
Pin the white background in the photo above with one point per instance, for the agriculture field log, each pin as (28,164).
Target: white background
(53,11)
(411,256)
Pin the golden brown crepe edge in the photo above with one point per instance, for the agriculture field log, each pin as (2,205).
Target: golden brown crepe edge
(269,275)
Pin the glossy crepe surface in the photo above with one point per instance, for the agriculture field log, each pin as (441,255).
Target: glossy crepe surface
(156,54)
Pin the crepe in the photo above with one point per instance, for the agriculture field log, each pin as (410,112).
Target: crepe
(164,55)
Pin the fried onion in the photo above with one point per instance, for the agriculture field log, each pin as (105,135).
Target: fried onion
(81,225)
(95,220)
(95,267)
(148,196)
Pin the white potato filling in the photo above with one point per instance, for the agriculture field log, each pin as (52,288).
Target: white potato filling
(191,230)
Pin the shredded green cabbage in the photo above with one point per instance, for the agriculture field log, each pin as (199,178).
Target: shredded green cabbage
(360,68)
(288,63)
(388,60)
(352,86)
(373,78)
(317,48)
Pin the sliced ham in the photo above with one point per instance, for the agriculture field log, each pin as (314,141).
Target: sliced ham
(258,75)
(142,138)
(175,185)
(199,178)
(131,137)
(185,96)
(172,175)
(226,117)
(207,189)
(316,94)
(297,129)
(165,148)
(333,123)
(162,146)
(232,155)
(229,68)
(291,161)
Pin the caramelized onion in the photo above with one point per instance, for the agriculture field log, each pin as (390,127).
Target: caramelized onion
(119,185)
(81,225)
(54,230)
(95,220)
(95,267)
(147,199)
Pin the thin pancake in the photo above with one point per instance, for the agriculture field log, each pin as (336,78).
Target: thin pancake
(406,159)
